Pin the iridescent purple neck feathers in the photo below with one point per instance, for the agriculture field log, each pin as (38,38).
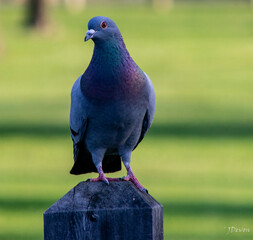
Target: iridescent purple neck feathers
(112,74)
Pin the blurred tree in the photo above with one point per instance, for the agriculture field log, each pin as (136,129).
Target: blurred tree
(36,13)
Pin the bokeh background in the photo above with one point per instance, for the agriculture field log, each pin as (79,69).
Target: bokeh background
(197,157)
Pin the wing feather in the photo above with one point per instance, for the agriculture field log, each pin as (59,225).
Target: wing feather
(149,115)
(78,126)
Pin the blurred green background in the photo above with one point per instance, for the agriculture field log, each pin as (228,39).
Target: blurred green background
(197,157)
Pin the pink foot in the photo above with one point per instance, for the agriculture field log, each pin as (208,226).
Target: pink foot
(135,181)
(104,179)
(114,179)
(101,178)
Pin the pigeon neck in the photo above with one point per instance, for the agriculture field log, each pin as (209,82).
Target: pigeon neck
(111,52)
(112,73)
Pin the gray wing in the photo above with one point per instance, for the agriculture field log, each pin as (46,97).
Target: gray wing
(78,125)
(150,112)
(78,115)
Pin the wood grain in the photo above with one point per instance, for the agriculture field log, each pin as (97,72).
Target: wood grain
(95,211)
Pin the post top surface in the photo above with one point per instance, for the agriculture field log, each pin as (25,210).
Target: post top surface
(87,196)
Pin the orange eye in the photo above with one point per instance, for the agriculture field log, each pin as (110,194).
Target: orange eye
(103,25)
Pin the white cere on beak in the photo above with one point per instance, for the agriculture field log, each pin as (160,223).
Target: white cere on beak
(89,34)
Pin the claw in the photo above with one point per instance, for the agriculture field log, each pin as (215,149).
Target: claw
(135,181)
(106,181)
(144,190)
(114,179)
(100,178)
(125,178)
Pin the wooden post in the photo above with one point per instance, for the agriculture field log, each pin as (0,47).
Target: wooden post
(95,211)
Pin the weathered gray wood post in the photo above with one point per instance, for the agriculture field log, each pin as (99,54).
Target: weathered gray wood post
(95,211)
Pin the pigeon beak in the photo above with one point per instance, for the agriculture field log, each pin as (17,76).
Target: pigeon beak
(89,34)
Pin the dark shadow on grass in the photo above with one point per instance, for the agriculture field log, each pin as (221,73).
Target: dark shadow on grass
(210,130)
(16,204)
(205,208)
(22,236)
(40,130)
(203,130)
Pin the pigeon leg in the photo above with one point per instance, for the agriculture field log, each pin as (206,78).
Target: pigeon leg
(101,176)
(97,157)
(130,175)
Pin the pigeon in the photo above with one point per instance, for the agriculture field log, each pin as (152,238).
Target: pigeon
(112,106)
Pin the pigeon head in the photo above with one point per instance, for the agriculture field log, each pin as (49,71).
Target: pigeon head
(101,29)
(112,73)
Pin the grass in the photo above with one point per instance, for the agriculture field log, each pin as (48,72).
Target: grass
(197,158)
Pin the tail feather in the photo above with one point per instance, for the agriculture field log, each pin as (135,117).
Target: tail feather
(84,164)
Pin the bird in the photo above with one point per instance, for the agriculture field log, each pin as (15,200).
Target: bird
(112,106)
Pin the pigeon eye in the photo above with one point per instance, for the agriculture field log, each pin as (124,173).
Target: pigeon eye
(103,25)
